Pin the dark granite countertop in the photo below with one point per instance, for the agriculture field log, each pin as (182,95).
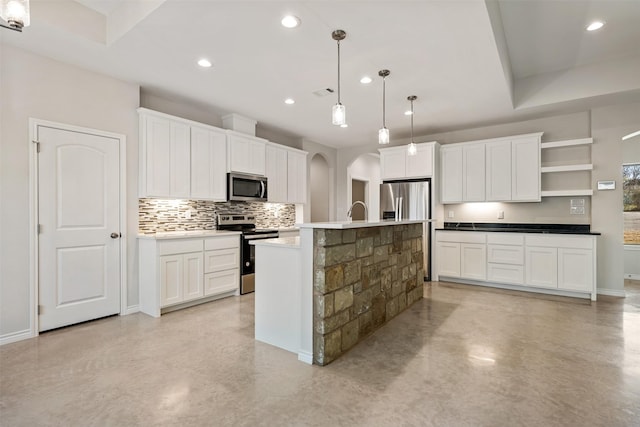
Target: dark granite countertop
(520,228)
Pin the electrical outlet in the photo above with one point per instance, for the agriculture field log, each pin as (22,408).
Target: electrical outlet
(500,214)
(577,210)
(450,215)
(187,214)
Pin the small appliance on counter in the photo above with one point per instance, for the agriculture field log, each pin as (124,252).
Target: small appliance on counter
(247,225)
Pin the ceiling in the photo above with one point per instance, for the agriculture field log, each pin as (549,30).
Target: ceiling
(470,63)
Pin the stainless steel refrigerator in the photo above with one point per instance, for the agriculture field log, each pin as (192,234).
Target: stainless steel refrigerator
(409,199)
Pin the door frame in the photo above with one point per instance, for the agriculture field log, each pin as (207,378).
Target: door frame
(34,280)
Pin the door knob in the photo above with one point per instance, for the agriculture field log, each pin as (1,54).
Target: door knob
(115,235)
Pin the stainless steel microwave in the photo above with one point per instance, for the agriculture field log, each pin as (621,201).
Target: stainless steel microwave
(246,187)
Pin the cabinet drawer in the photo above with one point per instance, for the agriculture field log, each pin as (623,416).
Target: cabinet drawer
(461,236)
(170,247)
(560,241)
(505,238)
(221,243)
(220,282)
(505,254)
(223,259)
(505,273)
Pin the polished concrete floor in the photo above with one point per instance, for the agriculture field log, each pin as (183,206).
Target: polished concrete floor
(478,357)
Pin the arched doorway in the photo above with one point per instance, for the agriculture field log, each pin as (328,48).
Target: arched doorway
(319,186)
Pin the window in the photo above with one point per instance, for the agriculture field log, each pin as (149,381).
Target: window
(631,200)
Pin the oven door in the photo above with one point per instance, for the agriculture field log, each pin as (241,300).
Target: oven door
(247,187)
(248,267)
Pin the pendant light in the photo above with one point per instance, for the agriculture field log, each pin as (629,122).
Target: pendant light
(383,133)
(411,148)
(14,14)
(339,113)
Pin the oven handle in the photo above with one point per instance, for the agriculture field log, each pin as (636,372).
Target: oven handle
(262,236)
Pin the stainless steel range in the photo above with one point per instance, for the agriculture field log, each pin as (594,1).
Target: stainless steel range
(247,225)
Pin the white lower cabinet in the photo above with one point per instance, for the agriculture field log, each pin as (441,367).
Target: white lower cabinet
(534,262)
(177,271)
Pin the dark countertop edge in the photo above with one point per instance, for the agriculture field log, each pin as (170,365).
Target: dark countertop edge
(584,229)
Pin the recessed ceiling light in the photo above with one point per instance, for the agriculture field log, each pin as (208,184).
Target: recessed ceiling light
(289,101)
(365,80)
(204,63)
(408,113)
(290,21)
(344,125)
(595,25)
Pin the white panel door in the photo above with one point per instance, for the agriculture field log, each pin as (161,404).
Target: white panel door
(451,174)
(421,164)
(193,276)
(448,259)
(276,172)
(208,164)
(296,177)
(541,267)
(171,279)
(473,173)
(525,169)
(575,269)
(393,164)
(78,210)
(498,171)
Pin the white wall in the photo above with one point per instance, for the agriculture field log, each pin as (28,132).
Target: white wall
(366,168)
(319,188)
(37,87)
(330,154)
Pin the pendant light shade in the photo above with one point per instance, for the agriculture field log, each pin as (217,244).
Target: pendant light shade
(383,133)
(411,148)
(15,14)
(339,112)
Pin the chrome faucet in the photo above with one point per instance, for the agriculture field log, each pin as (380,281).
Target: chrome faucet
(364,205)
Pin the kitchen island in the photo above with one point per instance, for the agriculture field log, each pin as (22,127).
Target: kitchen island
(320,294)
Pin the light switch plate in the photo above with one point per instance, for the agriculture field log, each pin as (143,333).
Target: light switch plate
(450,215)
(577,210)
(500,214)
(577,202)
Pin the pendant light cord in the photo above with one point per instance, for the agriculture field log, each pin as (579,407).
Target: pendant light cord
(412,121)
(384,101)
(338,71)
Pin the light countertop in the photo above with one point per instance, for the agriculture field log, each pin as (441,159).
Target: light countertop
(280,242)
(362,224)
(191,234)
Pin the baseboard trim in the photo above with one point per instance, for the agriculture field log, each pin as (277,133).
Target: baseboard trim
(131,310)
(612,292)
(632,276)
(305,357)
(16,336)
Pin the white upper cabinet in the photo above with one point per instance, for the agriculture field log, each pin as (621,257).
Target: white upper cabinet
(396,163)
(473,184)
(296,176)
(498,166)
(501,169)
(276,172)
(208,164)
(247,154)
(451,174)
(287,174)
(165,157)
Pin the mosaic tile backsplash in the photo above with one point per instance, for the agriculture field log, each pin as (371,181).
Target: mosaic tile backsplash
(160,215)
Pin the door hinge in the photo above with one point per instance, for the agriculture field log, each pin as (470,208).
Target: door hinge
(40,309)
(39,228)
(37,146)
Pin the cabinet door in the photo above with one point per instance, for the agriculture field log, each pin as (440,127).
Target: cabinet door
(296,177)
(448,259)
(420,165)
(393,163)
(451,174)
(171,278)
(473,173)
(223,259)
(192,276)
(525,169)
(498,171)
(246,154)
(541,267)
(276,172)
(166,157)
(505,273)
(221,282)
(208,164)
(473,261)
(575,269)
(257,152)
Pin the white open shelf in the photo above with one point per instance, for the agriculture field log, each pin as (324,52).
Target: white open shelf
(560,193)
(566,143)
(566,168)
